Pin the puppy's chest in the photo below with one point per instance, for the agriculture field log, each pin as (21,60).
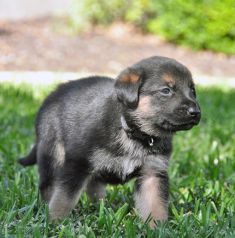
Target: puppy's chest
(114,168)
(131,165)
(118,177)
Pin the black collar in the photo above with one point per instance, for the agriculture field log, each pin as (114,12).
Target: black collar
(136,134)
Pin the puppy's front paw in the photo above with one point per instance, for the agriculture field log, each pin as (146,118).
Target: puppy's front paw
(149,200)
(160,217)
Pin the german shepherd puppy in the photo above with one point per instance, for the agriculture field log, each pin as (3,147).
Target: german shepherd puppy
(97,130)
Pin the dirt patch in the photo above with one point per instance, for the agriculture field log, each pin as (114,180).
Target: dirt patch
(35,45)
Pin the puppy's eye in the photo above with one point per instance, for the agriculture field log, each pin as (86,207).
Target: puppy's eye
(166,91)
(193,92)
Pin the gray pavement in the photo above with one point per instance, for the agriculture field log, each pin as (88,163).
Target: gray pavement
(26,9)
(44,78)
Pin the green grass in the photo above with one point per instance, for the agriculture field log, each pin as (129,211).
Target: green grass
(202,173)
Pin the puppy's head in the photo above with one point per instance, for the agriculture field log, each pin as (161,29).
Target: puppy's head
(158,95)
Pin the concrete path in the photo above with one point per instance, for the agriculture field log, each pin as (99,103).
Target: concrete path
(49,77)
(25,9)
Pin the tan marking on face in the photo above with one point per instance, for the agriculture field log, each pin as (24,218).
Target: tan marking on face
(149,202)
(130,78)
(169,79)
(145,104)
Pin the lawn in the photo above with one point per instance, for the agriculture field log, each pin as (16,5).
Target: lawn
(202,172)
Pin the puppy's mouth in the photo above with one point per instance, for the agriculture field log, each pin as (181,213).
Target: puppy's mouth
(173,126)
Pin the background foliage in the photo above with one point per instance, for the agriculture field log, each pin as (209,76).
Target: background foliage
(201,24)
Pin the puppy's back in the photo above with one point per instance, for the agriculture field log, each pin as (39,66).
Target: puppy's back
(73,104)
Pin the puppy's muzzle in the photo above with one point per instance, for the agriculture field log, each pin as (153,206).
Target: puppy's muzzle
(188,116)
(194,113)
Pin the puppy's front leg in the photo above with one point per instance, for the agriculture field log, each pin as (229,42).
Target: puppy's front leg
(95,189)
(152,197)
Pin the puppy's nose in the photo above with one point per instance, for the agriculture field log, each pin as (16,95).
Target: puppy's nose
(193,112)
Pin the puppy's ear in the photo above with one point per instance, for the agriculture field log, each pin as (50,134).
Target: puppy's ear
(127,87)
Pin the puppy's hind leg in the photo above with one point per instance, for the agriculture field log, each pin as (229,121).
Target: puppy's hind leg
(69,184)
(46,172)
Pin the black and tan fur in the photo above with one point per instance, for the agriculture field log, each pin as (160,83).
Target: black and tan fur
(97,130)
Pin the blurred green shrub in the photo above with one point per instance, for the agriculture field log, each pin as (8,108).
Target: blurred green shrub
(87,12)
(200,24)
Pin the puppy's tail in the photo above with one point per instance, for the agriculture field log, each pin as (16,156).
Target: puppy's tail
(30,159)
